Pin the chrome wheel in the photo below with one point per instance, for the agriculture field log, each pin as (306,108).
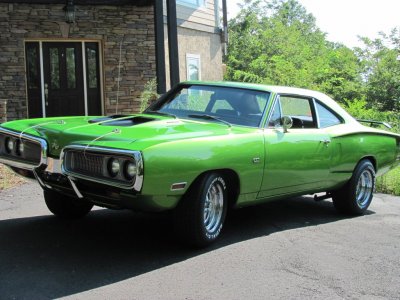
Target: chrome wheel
(364,188)
(200,215)
(355,197)
(213,207)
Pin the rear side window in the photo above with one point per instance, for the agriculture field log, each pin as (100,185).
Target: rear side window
(326,117)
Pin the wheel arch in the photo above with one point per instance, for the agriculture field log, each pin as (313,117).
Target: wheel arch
(231,179)
(372,159)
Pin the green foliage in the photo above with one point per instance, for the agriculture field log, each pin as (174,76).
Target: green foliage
(359,109)
(279,43)
(389,183)
(149,94)
(381,69)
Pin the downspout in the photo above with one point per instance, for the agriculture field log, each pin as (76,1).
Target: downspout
(225,26)
(172,42)
(160,47)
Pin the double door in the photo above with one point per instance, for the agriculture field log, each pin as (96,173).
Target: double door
(63,79)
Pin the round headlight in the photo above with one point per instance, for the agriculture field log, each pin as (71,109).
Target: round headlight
(9,145)
(20,147)
(130,170)
(113,167)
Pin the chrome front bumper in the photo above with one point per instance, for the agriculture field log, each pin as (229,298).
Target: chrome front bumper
(54,167)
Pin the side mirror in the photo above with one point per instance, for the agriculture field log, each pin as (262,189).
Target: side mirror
(287,123)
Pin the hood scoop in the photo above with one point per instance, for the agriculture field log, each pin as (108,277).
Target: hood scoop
(121,120)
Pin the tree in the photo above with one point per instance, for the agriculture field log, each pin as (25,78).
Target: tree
(278,42)
(381,61)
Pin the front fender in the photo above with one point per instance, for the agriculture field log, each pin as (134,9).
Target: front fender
(184,160)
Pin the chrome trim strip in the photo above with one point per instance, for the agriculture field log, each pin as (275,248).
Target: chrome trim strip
(76,190)
(23,165)
(40,181)
(137,155)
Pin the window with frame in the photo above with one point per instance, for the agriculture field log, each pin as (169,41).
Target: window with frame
(193,67)
(192,3)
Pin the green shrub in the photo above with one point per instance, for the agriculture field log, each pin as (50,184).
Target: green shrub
(389,183)
(358,109)
(149,94)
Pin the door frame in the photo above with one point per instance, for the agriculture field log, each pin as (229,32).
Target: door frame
(41,64)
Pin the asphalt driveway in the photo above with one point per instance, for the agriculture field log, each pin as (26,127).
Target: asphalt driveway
(292,249)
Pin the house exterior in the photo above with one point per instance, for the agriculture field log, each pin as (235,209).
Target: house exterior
(100,62)
(199,40)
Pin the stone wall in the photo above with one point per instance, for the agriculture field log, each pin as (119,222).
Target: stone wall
(110,25)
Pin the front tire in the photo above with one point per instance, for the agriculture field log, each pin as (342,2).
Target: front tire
(66,207)
(356,196)
(200,215)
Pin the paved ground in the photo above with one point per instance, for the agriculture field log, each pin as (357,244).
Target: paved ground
(296,249)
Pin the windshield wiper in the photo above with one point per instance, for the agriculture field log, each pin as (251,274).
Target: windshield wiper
(209,117)
(156,112)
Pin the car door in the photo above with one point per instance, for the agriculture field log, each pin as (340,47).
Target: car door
(297,160)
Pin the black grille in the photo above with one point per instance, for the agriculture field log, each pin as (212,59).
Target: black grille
(85,163)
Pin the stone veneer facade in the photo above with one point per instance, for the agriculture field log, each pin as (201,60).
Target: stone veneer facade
(106,24)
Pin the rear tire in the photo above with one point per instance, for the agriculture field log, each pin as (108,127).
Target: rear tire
(200,215)
(66,207)
(355,197)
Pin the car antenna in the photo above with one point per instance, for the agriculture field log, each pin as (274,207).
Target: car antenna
(119,74)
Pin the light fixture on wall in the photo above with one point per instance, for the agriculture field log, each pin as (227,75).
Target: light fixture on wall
(70,11)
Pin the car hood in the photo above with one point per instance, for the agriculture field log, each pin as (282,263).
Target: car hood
(60,132)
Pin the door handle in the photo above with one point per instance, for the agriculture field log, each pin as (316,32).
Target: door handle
(46,93)
(325,141)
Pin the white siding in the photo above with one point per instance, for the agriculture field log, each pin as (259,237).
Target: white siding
(201,18)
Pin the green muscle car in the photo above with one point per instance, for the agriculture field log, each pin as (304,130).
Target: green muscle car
(201,149)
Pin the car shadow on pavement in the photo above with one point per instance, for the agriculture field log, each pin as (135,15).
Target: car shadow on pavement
(44,257)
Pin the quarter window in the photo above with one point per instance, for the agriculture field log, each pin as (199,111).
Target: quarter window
(275,119)
(326,117)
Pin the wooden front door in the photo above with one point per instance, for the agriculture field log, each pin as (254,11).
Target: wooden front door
(70,82)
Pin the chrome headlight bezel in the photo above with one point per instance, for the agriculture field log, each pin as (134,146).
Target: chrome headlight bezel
(105,155)
(13,157)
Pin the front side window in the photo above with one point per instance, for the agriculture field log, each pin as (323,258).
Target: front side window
(300,110)
(233,105)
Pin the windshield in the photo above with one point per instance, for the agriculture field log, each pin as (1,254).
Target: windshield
(233,105)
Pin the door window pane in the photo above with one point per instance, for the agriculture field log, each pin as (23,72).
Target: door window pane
(54,69)
(299,109)
(71,77)
(32,67)
(91,56)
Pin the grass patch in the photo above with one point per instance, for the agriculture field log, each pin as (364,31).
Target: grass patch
(8,179)
(389,183)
